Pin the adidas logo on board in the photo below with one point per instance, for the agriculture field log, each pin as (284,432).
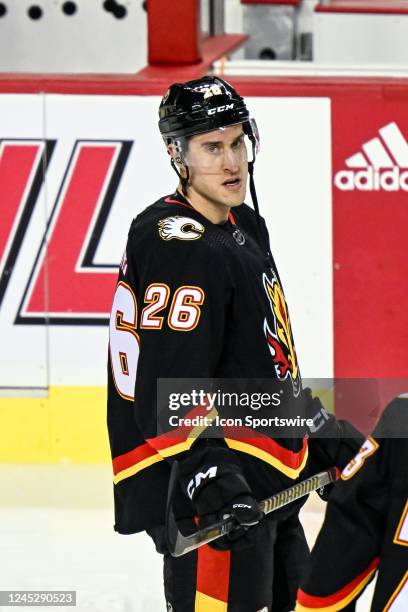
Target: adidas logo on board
(383,164)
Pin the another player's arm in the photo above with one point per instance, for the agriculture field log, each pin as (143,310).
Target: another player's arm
(346,554)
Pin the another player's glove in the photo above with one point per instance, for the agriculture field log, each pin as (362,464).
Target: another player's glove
(229,494)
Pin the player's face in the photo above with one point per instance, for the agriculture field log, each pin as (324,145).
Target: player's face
(218,166)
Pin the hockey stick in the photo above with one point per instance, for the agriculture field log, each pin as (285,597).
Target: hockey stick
(179,544)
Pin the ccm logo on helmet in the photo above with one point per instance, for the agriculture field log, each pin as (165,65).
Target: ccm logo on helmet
(198,478)
(220,109)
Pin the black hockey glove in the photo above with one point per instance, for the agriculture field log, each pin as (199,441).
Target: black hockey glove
(229,494)
(332,443)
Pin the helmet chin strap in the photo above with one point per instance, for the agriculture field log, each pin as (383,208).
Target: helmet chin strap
(261,231)
(183,179)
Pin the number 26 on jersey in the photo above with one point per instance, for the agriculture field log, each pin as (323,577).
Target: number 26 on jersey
(184,315)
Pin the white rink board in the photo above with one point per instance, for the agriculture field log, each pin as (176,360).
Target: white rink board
(293,179)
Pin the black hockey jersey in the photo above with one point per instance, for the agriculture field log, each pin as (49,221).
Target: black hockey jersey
(193,300)
(366,526)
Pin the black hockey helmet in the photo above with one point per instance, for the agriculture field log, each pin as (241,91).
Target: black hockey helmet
(200,106)
(204,105)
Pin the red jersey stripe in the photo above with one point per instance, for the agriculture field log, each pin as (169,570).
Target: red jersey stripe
(136,455)
(312,601)
(290,458)
(170,201)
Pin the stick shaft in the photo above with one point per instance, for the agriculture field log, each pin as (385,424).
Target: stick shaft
(184,544)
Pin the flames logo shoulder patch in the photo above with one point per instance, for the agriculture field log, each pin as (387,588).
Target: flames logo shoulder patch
(180,228)
(280,341)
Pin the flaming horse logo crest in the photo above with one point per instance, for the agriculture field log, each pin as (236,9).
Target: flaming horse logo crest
(182,228)
(280,343)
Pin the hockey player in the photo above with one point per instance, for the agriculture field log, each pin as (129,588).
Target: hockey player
(365,531)
(199,296)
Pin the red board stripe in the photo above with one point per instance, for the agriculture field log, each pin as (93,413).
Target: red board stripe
(71,291)
(389,7)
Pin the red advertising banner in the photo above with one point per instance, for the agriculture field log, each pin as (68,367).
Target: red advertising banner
(370,258)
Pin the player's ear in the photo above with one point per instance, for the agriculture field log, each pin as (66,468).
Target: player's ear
(174,154)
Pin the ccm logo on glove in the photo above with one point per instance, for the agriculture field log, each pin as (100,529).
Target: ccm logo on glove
(198,478)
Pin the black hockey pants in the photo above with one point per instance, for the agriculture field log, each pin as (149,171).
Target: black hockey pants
(260,578)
